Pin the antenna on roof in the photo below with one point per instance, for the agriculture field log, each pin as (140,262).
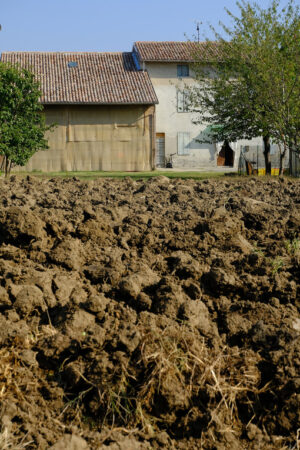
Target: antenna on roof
(198,32)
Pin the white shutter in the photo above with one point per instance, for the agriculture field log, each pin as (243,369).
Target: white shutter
(186,143)
(180,143)
(180,101)
(183,143)
(186,101)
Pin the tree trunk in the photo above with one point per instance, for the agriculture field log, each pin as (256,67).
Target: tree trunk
(267,151)
(281,165)
(2,163)
(6,166)
(282,155)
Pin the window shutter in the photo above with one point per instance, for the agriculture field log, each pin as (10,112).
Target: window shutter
(183,101)
(180,143)
(186,101)
(183,70)
(180,101)
(186,143)
(183,143)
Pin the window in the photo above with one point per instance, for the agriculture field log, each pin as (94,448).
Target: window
(183,141)
(136,61)
(183,70)
(182,101)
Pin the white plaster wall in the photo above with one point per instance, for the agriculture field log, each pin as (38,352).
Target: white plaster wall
(170,121)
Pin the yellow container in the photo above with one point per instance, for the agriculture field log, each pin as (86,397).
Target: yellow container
(261,171)
(275,171)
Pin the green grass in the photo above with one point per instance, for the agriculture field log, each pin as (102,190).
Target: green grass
(134,175)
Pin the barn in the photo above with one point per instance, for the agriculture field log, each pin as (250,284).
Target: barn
(103,106)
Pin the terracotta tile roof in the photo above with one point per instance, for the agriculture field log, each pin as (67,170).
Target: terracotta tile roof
(176,51)
(99,78)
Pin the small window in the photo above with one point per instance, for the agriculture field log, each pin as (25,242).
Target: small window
(183,70)
(72,64)
(136,61)
(183,101)
(183,141)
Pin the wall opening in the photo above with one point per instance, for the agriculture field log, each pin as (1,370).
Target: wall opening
(226,155)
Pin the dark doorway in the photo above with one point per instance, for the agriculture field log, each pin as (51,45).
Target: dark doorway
(226,155)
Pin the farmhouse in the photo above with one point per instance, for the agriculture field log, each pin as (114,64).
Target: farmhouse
(128,111)
(169,65)
(104,108)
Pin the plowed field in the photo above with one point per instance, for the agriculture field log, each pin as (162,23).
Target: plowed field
(146,315)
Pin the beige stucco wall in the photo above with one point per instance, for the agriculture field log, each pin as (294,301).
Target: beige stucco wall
(170,121)
(97,138)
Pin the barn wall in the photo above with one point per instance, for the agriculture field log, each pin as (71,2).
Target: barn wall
(97,138)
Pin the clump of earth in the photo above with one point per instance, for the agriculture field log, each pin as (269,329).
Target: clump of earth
(149,314)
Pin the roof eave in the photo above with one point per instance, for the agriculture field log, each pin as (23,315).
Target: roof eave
(167,60)
(98,103)
(187,61)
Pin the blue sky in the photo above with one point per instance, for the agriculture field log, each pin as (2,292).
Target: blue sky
(103,25)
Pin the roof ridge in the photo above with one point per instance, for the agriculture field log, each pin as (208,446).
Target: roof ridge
(63,53)
(173,42)
(175,51)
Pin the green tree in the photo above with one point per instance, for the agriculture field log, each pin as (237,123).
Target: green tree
(22,124)
(252,89)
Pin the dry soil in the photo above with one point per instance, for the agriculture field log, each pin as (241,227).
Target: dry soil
(145,315)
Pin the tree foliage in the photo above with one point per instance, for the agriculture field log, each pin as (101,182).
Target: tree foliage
(253,88)
(22,124)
